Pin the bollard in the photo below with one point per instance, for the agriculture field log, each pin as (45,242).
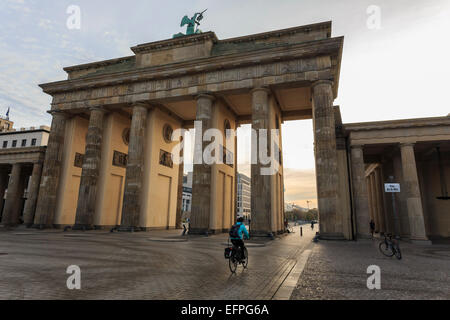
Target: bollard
(301,231)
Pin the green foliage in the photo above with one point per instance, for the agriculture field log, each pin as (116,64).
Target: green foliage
(296,215)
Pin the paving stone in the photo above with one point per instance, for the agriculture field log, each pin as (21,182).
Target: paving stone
(338,270)
(129,266)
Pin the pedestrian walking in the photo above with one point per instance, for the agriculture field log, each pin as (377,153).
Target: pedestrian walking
(372,227)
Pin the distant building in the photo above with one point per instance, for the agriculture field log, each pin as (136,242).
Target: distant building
(5,124)
(26,137)
(243,196)
(291,207)
(21,158)
(187,193)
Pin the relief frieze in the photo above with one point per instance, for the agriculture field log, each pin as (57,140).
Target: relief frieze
(284,71)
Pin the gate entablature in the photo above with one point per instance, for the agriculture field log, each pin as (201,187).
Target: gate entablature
(182,68)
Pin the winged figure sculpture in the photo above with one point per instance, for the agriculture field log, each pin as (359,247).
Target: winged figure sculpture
(192,24)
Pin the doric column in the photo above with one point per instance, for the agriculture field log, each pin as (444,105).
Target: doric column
(369,196)
(179,216)
(4,178)
(360,193)
(135,169)
(46,204)
(201,186)
(326,157)
(261,204)
(33,190)
(411,190)
(385,172)
(234,218)
(379,197)
(13,202)
(375,203)
(87,194)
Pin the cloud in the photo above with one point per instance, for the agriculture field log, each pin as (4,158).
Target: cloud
(45,24)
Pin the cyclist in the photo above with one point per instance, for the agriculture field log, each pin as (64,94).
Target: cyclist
(237,234)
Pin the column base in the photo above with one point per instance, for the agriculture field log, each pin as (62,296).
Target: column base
(421,242)
(83,227)
(130,229)
(42,226)
(331,236)
(261,234)
(10,225)
(363,236)
(200,231)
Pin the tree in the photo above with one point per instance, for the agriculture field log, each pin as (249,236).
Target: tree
(296,215)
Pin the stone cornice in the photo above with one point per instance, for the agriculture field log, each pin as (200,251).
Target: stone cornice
(170,43)
(331,46)
(398,124)
(278,33)
(97,64)
(23,150)
(164,44)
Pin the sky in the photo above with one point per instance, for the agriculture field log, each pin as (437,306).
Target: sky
(395,61)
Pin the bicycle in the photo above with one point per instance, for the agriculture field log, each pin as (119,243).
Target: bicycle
(232,254)
(390,247)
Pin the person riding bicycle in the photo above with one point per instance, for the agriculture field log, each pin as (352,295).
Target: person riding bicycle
(237,234)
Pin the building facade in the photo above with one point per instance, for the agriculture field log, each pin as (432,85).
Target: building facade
(109,160)
(262,79)
(187,195)
(5,124)
(414,153)
(187,200)
(244,194)
(21,159)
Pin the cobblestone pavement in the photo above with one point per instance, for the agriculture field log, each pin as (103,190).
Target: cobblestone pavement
(338,270)
(154,265)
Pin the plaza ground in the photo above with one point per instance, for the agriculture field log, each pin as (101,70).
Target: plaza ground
(153,265)
(163,265)
(338,271)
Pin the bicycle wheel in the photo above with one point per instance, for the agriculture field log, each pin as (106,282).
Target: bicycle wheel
(245,261)
(232,262)
(386,249)
(398,253)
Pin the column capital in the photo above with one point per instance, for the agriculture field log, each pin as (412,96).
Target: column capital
(322,82)
(102,109)
(407,144)
(205,95)
(141,104)
(265,89)
(357,146)
(60,113)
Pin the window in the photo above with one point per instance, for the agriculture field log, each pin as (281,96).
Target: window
(24,143)
(5,144)
(33,142)
(14,143)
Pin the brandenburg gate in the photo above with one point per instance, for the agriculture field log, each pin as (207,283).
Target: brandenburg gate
(109,161)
